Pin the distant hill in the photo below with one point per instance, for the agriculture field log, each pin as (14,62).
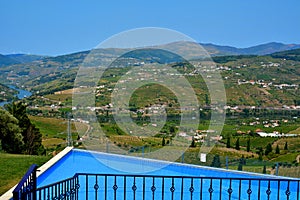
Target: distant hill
(4,60)
(24,58)
(189,49)
(12,59)
(263,49)
(288,55)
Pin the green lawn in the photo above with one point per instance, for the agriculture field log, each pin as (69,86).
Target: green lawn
(286,157)
(50,127)
(55,128)
(13,167)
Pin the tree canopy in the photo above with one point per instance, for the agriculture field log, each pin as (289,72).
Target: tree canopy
(30,135)
(10,133)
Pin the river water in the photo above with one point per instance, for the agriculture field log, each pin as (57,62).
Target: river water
(21,94)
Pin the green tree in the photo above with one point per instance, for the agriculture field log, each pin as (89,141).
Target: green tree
(252,134)
(243,160)
(216,161)
(18,110)
(33,144)
(32,137)
(277,150)
(228,142)
(206,99)
(237,144)
(246,112)
(10,133)
(264,169)
(268,149)
(172,129)
(193,144)
(163,142)
(260,156)
(240,167)
(286,146)
(248,145)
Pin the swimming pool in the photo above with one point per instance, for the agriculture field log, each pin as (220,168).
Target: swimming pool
(116,177)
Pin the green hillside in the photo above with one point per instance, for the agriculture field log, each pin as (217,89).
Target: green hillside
(6,93)
(270,80)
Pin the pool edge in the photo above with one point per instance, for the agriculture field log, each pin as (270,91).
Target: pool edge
(53,160)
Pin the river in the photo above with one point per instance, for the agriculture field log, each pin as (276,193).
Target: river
(21,94)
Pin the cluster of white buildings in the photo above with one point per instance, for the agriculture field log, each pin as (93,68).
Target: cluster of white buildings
(252,82)
(275,134)
(200,135)
(267,84)
(269,64)
(282,86)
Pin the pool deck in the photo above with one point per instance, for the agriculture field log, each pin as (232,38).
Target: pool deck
(42,169)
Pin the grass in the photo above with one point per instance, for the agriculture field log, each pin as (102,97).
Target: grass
(56,128)
(50,127)
(254,141)
(54,131)
(65,97)
(52,142)
(293,143)
(296,131)
(255,169)
(13,167)
(286,157)
(289,171)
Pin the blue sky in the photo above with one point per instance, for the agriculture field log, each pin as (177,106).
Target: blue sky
(63,26)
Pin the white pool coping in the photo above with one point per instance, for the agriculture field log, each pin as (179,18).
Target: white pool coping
(42,169)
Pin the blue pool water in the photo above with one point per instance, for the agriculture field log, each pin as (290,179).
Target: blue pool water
(81,161)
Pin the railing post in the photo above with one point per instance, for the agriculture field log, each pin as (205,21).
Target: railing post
(34,183)
(16,195)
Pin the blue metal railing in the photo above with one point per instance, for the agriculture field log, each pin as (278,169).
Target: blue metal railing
(26,189)
(66,189)
(124,186)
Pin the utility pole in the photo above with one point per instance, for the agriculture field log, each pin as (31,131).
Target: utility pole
(69,139)
(226,162)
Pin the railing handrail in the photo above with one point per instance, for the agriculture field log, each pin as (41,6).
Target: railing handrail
(58,182)
(187,177)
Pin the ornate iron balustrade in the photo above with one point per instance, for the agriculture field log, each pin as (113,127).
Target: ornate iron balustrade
(137,187)
(26,189)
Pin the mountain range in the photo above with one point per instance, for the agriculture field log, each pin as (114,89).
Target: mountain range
(212,49)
